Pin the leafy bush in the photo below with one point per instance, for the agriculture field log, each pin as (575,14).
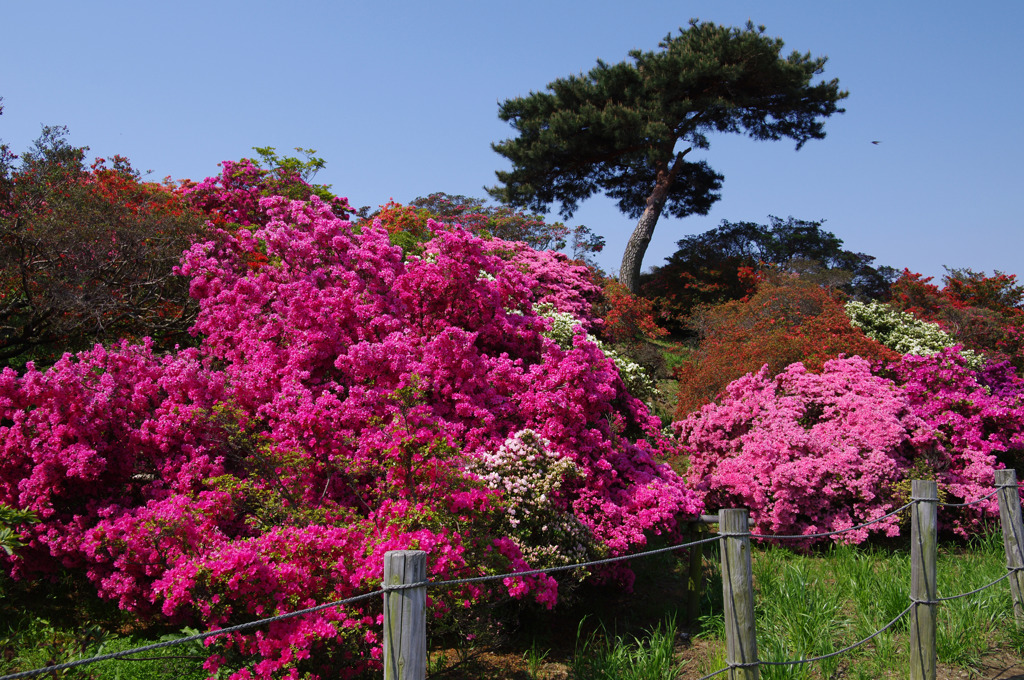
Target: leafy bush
(627,318)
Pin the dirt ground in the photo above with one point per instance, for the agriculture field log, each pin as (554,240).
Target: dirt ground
(993,667)
(514,667)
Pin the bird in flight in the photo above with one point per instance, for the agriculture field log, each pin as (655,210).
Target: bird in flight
(876,142)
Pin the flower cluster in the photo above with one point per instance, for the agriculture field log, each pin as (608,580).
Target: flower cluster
(902,331)
(565,327)
(536,515)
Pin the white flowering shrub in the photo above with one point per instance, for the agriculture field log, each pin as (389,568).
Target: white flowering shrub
(565,326)
(903,332)
(529,476)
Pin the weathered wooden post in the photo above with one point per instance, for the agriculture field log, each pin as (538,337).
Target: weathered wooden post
(1013,537)
(923,550)
(405,616)
(695,576)
(738,594)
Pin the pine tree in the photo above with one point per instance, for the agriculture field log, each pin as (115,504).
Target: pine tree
(617,128)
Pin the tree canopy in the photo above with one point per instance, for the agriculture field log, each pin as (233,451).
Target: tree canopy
(626,129)
(724,263)
(87,254)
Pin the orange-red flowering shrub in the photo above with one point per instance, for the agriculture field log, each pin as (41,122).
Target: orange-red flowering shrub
(785,321)
(628,319)
(984,313)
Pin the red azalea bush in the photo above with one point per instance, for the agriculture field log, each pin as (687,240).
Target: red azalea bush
(787,320)
(627,319)
(332,412)
(984,313)
(810,453)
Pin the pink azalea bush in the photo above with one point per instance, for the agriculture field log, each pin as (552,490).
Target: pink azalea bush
(810,453)
(806,452)
(335,409)
(977,417)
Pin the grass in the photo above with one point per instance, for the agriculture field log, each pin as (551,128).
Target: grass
(36,643)
(812,605)
(652,657)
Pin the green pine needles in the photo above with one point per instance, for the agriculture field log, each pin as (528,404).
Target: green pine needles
(616,129)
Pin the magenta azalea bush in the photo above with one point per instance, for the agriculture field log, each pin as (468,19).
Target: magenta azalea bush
(810,453)
(347,399)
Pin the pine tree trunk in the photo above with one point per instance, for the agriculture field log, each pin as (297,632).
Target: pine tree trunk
(636,247)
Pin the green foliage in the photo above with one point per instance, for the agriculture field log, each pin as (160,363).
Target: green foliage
(534,659)
(602,657)
(284,171)
(31,643)
(181,662)
(10,519)
(615,129)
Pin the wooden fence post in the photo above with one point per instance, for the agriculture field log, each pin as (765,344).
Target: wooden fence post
(695,576)
(405,616)
(923,549)
(1013,537)
(738,595)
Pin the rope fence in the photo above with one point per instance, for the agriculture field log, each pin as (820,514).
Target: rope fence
(405,584)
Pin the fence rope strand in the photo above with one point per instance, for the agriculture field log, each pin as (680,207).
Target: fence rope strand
(855,645)
(970,592)
(534,572)
(711,675)
(357,598)
(838,531)
(183,640)
(977,500)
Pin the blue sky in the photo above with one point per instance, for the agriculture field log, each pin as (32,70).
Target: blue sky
(401,99)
